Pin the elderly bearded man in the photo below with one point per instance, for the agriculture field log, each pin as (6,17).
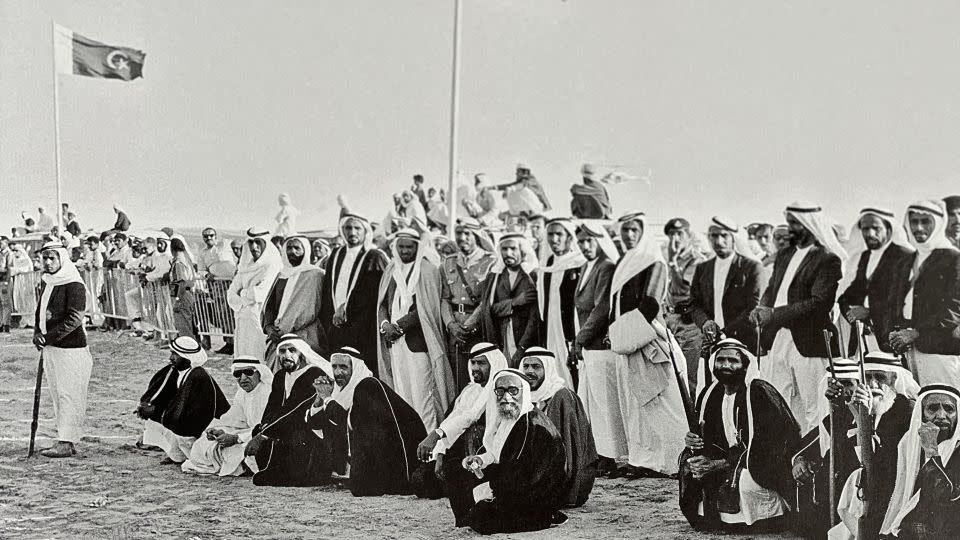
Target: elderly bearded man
(348,309)
(369,425)
(221,450)
(926,502)
(929,332)
(508,315)
(564,409)
(412,353)
(889,394)
(59,336)
(795,310)
(556,289)
(459,435)
(736,471)
(287,452)
(875,295)
(293,304)
(522,464)
(461,293)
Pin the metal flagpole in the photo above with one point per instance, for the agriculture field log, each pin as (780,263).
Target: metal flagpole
(454,119)
(56,121)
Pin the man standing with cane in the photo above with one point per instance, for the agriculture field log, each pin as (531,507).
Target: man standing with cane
(59,335)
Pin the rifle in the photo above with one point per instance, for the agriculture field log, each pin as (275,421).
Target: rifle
(866,422)
(832,482)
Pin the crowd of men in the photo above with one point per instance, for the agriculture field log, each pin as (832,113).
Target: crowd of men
(804,378)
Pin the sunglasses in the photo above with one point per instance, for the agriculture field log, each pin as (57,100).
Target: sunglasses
(241,372)
(514,391)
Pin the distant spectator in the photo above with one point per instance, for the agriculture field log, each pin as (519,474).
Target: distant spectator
(123,222)
(72,226)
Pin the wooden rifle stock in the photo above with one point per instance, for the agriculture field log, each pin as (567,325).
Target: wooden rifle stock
(832,482)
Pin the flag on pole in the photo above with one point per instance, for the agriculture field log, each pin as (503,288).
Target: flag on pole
(80,55)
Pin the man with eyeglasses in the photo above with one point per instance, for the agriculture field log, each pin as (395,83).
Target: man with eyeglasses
(216,260)
(521,466)
(221,450)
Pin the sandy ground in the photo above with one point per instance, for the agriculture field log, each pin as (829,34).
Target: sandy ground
(113,490)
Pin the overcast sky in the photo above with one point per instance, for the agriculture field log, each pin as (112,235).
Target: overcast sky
(737,107)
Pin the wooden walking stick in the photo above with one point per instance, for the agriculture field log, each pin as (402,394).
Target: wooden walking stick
(36,405)
(866,425)
(832,480)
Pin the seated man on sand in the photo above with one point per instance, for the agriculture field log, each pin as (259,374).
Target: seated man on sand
(373,425)
(221,450)
(926,501)
(459,435)
(289,454)
(522,464)
(736,472)
(183,398)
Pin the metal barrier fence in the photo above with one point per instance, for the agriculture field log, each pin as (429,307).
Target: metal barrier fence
(120,295)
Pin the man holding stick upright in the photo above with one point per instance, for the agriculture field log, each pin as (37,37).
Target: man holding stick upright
(59,335)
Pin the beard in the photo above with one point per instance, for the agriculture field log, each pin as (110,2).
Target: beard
(509,411)
(883,399)
(730,377)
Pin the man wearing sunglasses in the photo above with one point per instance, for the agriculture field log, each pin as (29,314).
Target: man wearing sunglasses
(221,450)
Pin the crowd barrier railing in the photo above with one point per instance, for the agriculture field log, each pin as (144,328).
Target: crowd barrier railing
(121,295)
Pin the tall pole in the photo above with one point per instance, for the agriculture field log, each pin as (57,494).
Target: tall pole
(56,121)
(454,119)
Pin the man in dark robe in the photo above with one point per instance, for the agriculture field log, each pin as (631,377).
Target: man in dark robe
(371,427)
(736,472)
(522,465)
(952,204)
(564,409)
(348,310)
(590,200)
(875,294)
(287,452)
(925,504)
(293,303)
(508,315)
(556,290)
(929,329)
(183,398)
(890,392)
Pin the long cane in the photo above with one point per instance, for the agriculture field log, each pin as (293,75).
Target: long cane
(36,405)
(834,518)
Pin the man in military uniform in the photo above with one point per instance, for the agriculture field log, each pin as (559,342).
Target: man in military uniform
(460,295)
(682,260)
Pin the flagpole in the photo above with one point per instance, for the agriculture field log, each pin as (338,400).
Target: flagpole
(56,121)
(454,120)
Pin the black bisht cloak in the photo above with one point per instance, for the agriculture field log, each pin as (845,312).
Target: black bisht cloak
(160,391)
(770,448)
(294,455)
(383,438)
(528,482)
(196,403)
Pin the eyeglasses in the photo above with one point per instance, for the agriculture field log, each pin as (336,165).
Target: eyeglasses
(241,372)
(514,391)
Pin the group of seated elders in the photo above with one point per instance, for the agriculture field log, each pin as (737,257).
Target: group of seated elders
(889,393)
(367,421)
(736,471)
(180,401)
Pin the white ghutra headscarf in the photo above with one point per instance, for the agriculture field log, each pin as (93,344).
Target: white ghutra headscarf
(67,273)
